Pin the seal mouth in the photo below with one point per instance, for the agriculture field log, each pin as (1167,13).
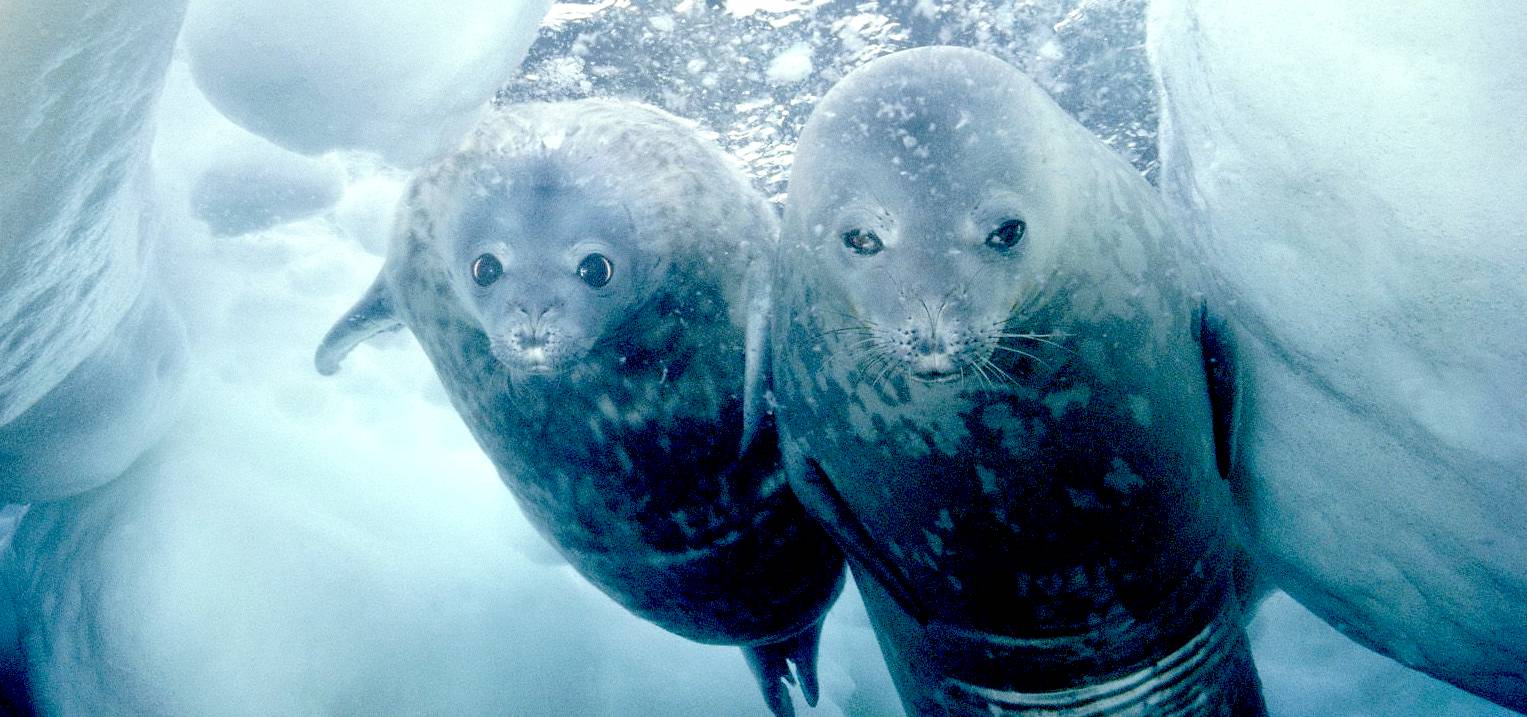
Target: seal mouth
(532,361)
(934,368)
(935,376)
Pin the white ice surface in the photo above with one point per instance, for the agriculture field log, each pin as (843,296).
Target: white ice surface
(1354,172)
(89,357)
(397,78)
(232,180)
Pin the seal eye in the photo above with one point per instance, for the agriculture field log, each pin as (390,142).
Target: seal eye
(486,269)
(595,270)
(1007,235)
(863,242)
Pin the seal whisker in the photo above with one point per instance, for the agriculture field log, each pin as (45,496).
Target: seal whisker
(867,351)
(870,341)
(1007,377)
(1041,361)
(932,322)
(842,330)
(882,362)
(981,373)
(1038,338)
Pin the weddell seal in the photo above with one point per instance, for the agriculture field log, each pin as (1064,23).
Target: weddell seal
(991,389)
(584,277)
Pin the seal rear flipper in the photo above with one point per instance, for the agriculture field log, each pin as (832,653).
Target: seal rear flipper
(770,668)
(824,503)
(1217,340)
(771,664)
(372,315)
(803,655)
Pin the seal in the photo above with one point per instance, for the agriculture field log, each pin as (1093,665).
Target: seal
(991,381)
(585,278)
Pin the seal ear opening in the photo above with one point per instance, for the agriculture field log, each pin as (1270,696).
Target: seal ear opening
(372,315)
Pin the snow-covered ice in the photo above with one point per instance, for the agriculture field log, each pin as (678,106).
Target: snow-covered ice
(1355,175)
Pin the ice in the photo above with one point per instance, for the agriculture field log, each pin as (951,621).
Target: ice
(235,181)
(86,345)
(1323,674)
(397,78)
(791,65)
(1354,175)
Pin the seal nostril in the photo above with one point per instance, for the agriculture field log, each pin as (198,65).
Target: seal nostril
(531,340)
(924,344)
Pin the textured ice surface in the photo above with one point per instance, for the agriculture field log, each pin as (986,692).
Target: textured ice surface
(1308,669)
(1354,173)
(76,124)
(753,70)
(89,357)
(397,78)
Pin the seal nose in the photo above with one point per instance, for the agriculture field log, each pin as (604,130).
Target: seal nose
(530,339)
(928,343)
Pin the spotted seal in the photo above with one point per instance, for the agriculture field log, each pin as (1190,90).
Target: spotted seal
(992,388)
(584,277)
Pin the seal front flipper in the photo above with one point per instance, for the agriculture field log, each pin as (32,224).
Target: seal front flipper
(824,503)
(372,315)
(1217,341)
(755,376)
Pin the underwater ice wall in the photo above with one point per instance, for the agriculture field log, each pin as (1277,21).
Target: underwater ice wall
(1353,172)
(90,355)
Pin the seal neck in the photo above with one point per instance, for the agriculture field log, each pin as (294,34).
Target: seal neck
(1210,675)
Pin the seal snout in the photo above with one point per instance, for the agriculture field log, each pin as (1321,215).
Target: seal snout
(936,350)
(534,347)
(930,357)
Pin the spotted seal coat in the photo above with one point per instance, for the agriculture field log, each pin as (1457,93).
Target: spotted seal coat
(584,277)
(993,388)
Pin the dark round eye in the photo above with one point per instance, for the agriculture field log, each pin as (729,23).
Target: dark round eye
(1007,235)
(595,270)
(486,270)
(863,241)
